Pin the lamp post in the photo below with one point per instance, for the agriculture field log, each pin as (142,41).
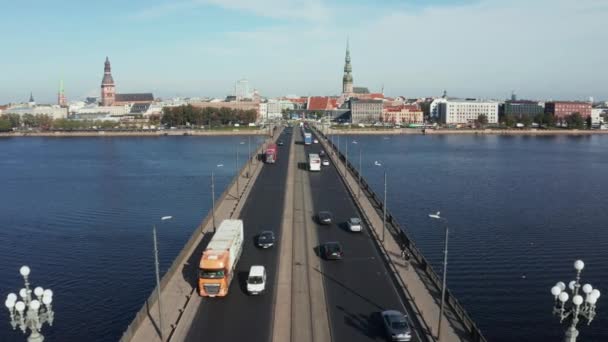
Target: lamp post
(445,269)
(160,311)
(29,313)
(576,308)
(360,171)
(346,157)
(384,202)
(236,169)
(213,195)
(249,154)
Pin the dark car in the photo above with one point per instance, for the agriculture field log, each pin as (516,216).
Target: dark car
(324,217)
(396,326)
(321,153)
(331,251)
(280,143)
(265,239)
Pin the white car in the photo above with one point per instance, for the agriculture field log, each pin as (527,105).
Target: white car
(354,224)
(316,141)
(256,281)
(325,162)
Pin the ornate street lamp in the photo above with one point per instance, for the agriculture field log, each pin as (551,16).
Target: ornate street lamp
(579,307)
(30,313)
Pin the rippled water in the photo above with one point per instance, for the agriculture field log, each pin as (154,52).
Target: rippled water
(521,209)
(79,212)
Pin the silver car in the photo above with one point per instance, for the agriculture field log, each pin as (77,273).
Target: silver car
(354,224)
(396,326)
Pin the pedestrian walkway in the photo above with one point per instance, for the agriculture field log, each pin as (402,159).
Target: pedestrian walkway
(420,291)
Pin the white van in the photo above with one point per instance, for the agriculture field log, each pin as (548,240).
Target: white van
(256,281)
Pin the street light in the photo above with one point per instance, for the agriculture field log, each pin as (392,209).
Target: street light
(213,195)
(250,158)
(39,310)
(445,269)
(160,311)
(576,308)
(360,172)
(377,163)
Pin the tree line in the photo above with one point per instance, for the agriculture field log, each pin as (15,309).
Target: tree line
(548,120)
(189,115)
(44,122)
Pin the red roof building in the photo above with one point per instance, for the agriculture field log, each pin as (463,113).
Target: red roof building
(321,103)
(402,114)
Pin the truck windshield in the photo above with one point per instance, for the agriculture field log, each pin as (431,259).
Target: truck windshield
(210,274)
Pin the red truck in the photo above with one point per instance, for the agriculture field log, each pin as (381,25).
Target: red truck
(270,156)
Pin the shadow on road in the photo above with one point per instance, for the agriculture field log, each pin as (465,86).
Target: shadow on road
(190,268)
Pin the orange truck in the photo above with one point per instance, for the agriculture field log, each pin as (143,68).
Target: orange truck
(218,262)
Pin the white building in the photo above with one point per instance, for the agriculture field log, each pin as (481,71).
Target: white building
(54,111)
(467,111)
(241,89)
(596,115)
(262,111)
(275,108)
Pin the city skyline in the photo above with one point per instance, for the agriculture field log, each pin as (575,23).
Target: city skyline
(203,47)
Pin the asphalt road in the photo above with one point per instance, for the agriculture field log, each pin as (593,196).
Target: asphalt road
(239,316)
(358,287)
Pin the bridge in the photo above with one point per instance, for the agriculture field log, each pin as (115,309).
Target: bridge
(308,299)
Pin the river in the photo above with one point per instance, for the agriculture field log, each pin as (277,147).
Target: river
(79,212)
(521,209)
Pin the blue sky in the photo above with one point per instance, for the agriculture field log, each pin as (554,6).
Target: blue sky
(546,49)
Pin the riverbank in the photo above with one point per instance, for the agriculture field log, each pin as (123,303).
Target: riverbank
(177,132)
(397,131)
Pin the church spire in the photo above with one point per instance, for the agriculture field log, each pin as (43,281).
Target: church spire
(107,85)
(31,97)
(347,79)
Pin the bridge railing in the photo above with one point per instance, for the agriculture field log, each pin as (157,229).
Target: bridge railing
(398,232)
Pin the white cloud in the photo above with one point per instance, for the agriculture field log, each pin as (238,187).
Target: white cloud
(540,48)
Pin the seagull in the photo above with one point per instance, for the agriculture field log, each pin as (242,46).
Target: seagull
(354,141)
(220,165)
(377,163)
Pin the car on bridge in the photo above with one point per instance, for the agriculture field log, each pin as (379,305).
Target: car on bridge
(325,162)
(354,224)
(325,217)
(397,328)
(331,251)
(265,239)
(256,281)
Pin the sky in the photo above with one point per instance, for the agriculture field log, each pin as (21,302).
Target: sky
(541,49)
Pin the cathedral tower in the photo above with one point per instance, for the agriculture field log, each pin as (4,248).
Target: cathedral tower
(347,80)
(107,85)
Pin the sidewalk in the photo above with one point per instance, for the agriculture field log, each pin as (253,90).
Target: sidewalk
(178,285)
(424,297)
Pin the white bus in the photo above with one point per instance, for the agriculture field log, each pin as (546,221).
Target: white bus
(314,162)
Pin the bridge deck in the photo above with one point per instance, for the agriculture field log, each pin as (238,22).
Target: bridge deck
(425,295)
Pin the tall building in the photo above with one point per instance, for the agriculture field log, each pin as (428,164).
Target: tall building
(61,101)
(241,90)
(108,90)
(347,79)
